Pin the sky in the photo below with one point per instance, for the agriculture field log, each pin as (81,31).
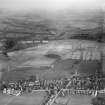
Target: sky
(50,5)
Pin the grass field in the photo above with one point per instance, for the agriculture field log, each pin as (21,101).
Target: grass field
(27,99)
(77,100)
(37,99)
(80,100)
(34,61)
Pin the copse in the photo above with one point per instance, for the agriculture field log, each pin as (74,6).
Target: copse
(8,45)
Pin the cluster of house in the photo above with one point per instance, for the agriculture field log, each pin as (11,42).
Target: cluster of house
(76,82)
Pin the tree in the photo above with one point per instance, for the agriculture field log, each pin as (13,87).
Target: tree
(32,78)
(8,44)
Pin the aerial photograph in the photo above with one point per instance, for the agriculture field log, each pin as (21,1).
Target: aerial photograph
(52,52)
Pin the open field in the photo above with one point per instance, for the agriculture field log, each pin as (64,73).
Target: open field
(33,60)
(27,99)
(37,98)
(78,100)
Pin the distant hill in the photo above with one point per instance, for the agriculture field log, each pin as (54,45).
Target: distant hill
(63,25)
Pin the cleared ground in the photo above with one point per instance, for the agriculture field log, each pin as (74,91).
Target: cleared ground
(80,100)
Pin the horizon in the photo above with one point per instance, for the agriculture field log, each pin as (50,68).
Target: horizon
(50,5)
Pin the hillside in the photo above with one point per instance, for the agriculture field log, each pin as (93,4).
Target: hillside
(71,56)
(71,35)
